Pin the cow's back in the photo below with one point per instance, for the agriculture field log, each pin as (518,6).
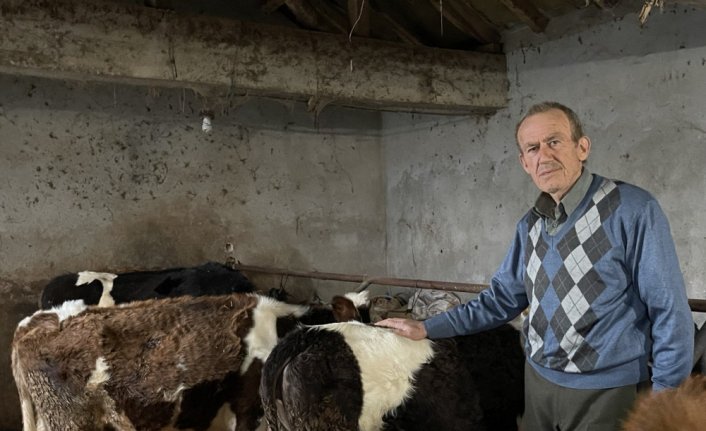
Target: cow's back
(210,278)
(473,382)
(137,359)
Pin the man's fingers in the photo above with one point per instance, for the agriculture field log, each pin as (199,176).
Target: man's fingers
(404,327)
(394,323)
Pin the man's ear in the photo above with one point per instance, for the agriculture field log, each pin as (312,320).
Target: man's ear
(584,147)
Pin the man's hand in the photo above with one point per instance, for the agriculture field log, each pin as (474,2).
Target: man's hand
(409,328)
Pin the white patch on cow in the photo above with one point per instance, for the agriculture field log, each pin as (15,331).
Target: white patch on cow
(387,362)
(518,321)
(174,395)
(27,409)
(63,311)
(359,299)
(99,375)
(225,419)
(106,279)
(29,418)
(25,321)
(87,277)
(263,335)
(69,309)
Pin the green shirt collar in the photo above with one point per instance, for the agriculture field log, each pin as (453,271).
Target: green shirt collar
(547,208)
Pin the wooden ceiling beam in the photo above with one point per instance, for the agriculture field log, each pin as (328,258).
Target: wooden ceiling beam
(457,21)
(317,15)
(465,18)
(489,30)
(269,6)
(330,15)
(305,14)
(404,35)
(527,13)
(102,40)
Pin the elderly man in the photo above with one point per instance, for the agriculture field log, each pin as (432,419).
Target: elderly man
(595,263)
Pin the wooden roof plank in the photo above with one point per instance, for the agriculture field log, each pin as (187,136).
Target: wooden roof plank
(305,14)
(402,33)
(269,6)
(467,20)
(331,15)
(527,13)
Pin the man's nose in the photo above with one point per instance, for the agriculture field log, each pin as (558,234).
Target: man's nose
(545,152)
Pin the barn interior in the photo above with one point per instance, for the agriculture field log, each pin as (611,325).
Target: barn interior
(371,137)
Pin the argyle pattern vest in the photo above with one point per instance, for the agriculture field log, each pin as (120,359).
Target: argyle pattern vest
(557,335)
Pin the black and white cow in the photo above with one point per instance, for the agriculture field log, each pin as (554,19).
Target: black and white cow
(700,350)
(106,289)
(346,376)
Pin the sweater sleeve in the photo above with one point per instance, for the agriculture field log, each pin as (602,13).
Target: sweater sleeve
(661,287)
(501,302)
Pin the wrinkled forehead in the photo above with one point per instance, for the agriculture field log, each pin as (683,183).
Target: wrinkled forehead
(542,126)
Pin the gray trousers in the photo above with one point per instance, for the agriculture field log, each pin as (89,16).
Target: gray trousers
(549,407)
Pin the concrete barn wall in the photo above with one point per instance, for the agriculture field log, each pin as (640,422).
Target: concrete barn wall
(116,177)
(110,177)
(455,186)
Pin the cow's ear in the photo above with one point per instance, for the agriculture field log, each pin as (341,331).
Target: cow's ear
(343,309)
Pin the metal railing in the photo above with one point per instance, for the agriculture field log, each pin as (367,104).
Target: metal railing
(698,305)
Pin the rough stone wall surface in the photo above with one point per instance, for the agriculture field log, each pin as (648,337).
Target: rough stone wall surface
(105,177)
(455,186)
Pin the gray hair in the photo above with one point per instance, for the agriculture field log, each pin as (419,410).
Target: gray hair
(574,122)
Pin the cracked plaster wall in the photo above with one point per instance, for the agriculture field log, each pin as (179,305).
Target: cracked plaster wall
(97,176)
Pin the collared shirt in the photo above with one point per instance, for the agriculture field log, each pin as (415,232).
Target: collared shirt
(555,215)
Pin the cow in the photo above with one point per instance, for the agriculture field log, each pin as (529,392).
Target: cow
(680,409)
(345,376)
(106,289)
(175,363)
(700,350)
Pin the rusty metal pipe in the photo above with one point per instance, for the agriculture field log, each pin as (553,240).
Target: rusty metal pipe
(387,281)
(698,305)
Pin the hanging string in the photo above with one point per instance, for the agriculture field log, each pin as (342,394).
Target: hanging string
(360,15)
(441,16)
(350,35)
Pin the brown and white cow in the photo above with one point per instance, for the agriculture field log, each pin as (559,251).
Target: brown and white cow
(177,363)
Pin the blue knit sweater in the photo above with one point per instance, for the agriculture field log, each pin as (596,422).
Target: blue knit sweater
(605,292)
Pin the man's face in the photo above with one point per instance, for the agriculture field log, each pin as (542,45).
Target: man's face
(548,153)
